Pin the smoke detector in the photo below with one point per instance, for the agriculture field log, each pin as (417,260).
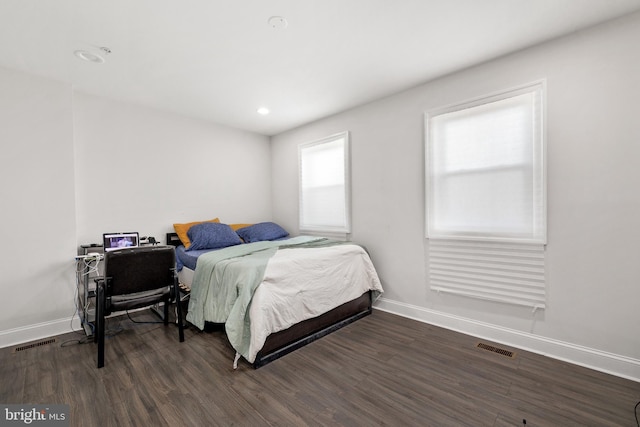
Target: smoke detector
(278,22)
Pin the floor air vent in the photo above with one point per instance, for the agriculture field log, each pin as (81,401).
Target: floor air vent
(501,351)
(34,344)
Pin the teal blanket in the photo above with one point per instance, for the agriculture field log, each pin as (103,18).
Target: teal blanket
(223,276)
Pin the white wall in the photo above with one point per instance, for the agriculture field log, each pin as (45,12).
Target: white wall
(593,287)
(64,155)
(139,169)
(37,196)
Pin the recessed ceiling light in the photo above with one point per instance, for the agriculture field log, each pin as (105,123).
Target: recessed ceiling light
(263,110)
(277,22)
(85,55)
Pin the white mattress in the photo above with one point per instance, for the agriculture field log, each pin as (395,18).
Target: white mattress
(185,276)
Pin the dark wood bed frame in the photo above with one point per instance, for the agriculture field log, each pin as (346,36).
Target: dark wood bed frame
(280,343)
(284,342)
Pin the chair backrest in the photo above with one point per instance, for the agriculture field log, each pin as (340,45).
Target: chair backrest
(139,269)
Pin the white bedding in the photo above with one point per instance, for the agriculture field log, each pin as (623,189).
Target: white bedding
(331,276)
(256,289)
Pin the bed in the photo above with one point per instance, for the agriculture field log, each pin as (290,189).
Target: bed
(272,292)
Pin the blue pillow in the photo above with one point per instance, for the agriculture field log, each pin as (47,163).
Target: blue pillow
(212,235)
(262,231)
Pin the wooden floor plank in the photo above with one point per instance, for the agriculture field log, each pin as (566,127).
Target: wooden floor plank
(380,370)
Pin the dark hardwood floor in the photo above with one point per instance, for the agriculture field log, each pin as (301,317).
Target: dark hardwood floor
(381,370)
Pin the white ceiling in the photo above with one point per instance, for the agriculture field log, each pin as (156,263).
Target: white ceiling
(220,60)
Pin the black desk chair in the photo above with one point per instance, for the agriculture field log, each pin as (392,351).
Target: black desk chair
(136,278)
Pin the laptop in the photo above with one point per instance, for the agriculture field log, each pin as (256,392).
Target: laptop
(115,241)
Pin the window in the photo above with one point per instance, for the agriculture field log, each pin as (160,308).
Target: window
(486,207)
(324,175)
(485,170)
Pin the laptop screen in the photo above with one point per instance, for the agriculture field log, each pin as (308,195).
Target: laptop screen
(113,241)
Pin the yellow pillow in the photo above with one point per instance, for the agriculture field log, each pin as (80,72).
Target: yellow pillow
(235,227)
(181,230)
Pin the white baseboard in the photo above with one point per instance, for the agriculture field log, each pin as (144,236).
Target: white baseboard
(609,363)
(44,330)
(38,331)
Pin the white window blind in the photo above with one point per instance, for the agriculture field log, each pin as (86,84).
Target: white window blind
(486,202)
(499,271)
(485,171)
(325,185)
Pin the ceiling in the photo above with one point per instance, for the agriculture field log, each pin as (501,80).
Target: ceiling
(222,60)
